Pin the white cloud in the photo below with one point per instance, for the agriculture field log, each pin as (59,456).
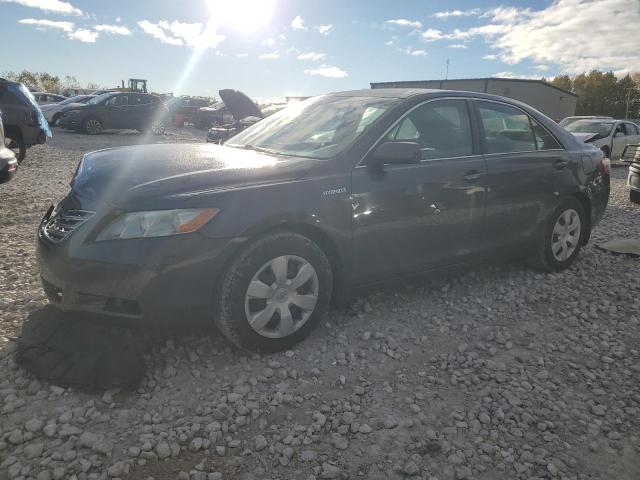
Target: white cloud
(114,29)
(327,71)
(298,23)
(432,34)
(242,55)
(156,32)
(194,35)
(268,42)
(270,56)
(403,22)
(461,46)
(325,29)
(43,24)
(84,35)
(389,43)
(54,6)
(416,53)
(541,68)
(490,56)
(313,56)
(570,33)
(457,13)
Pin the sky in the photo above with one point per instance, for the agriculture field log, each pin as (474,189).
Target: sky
(275,48)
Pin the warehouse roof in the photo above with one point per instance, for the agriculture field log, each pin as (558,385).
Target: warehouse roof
(486,79)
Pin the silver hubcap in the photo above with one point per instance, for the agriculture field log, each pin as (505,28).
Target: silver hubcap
(158,127)
(93,126)
(281,296)
(566,235)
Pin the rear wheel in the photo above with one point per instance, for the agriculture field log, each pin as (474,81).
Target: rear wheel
(15,143)
(274,292)
(55,119)
(158,127)
(93,126)
(562,238)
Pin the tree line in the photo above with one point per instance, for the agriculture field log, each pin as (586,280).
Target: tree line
(602,93)
(45,82)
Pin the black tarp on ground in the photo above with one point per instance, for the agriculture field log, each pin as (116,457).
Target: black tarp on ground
(65,350)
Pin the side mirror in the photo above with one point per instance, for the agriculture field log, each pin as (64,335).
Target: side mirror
(395,153)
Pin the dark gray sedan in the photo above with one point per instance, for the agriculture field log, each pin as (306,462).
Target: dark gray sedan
(319,200)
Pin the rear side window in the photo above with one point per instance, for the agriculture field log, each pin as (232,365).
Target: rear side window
(441,128)
(506,129)
(544,140)
(631,129)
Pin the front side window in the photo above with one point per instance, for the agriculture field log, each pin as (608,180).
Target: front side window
(506,129)
(118,101)
(441,128)
(630,128)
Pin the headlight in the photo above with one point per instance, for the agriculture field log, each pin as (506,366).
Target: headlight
(157,223)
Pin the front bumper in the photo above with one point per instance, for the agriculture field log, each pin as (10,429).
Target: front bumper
(69,122)
(144,280)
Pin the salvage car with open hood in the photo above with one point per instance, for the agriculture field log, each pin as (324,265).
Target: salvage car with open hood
(245,112)
(609,135)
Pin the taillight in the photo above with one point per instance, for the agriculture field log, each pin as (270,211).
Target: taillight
(605,166)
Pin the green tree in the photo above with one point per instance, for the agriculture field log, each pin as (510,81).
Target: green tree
(563,81)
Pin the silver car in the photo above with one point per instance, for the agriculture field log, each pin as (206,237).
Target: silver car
(610,136)
(8,162)
(53,112)
(44,98)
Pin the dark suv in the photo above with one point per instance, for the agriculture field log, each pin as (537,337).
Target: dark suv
(331,194)
(117,110)
(24,123)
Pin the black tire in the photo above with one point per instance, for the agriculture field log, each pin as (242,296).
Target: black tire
(545,260)
(229,301)
(606,151)
(55,119)
(92,126)
(15,143)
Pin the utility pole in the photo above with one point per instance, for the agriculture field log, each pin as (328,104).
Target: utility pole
(626,112)
(446,75)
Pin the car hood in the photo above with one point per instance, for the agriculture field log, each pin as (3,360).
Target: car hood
(239,104)
(145,174)
(585,137)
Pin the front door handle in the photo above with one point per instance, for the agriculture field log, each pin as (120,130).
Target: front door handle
(472,176)
(560,164)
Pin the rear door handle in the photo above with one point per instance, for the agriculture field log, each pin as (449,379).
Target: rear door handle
(560,164)
(472,176)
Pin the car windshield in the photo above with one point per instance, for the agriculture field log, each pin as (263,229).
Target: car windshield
(584,126)
(101,98)
(320,127)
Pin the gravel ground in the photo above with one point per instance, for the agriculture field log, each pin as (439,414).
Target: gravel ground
(501,373)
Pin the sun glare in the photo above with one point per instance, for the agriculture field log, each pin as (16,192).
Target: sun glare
(241,14)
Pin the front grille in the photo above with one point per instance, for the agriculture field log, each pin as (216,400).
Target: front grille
(62,223)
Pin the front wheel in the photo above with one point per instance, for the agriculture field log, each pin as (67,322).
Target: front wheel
(562,238)
(274,292)
(93,126)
